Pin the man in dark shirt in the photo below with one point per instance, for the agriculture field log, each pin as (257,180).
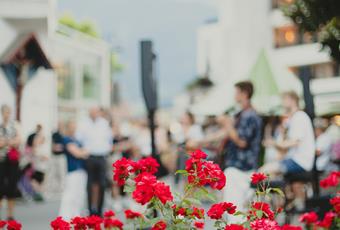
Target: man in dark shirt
(242,149)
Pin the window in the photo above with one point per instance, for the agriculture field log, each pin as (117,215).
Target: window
(278,3)
(90,82)
(290,35)
(66,81)
(322,70)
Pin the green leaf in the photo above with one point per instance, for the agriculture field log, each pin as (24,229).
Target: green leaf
(259,213)
(182,171)
(129,188)
(278,191)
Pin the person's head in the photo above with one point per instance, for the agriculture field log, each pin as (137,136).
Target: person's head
(94,112)
(70,127)
(5,112)
(320,126)
(244,91)
(188,118)
(290,101)
(38,128)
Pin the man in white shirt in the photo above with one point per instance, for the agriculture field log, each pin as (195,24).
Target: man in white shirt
(298,147)
(96,137)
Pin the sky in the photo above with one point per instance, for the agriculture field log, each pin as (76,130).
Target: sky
(171,25)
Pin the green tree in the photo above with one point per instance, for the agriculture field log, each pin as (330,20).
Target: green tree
(86,27)
(321,17)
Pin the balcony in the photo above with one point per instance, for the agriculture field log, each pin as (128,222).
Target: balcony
(25,9)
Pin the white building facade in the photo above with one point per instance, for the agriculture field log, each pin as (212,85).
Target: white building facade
(245,28)
(80,74)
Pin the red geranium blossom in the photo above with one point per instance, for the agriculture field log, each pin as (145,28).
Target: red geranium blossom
(258,178)
(265,208)
(2,223)
(335,202)
(290,227)
(13,225)
(94,222)
(198,154)
(199,225)
(331,180)
(327,220)
(122,169)
(160,225)
(147,164)
(129,214)
(113,223)
(216,210)
(264,224)
(198,212)
(234,227)
(143,194)
(60,224)
(309,218)
(162,192)
(79,223)
(109,214)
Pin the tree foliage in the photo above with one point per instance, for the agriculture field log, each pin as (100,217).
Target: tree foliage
(86,26)
(321,17)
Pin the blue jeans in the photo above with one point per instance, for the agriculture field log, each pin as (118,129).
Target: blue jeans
(290,166)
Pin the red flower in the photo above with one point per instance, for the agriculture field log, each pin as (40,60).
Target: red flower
(143,193)
(109,214)
(290,227)
(215,176)
(264,224)
(198,154)
(335,202)
(13,155)
(265,208)
(198,213)
(331,180)
(60,224)
(94,222)
(129,214)
(160,225)
(122,169)
(309,218)
(234,227)
(13,225)
(199,225)
(79,223)
(327,220)
(145,178)
(258,178)
(2,223)
(162,192)
(217,210)
(181,212)
(112,223)
(148,164)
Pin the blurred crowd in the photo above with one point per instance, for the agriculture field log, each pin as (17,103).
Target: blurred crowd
(78,164)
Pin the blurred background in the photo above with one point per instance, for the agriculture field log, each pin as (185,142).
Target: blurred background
(81,53)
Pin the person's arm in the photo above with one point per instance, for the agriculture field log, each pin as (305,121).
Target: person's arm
(284,145)
(233,135)
(76,151)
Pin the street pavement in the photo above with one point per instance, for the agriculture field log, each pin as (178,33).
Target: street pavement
(37,216)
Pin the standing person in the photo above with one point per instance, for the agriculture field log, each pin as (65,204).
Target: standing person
(58,158)
(96,136)
(9,160)
(40,162)
(243,146)
(74,193)
(298,147)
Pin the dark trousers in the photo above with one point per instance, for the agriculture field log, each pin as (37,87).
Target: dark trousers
(96,172)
